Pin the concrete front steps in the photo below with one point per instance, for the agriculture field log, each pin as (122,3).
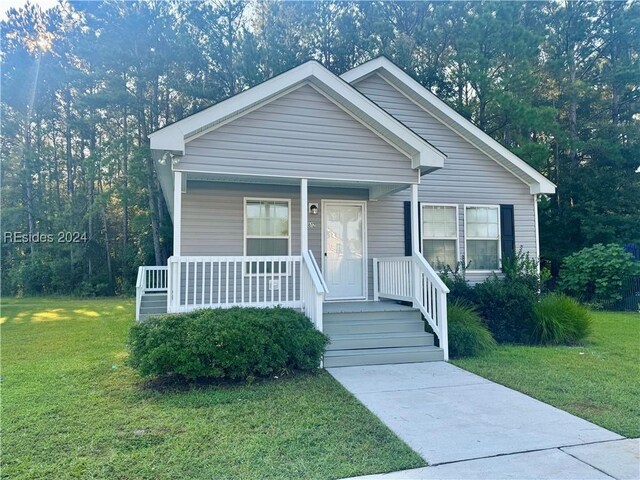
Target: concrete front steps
(153,304)
(376,333)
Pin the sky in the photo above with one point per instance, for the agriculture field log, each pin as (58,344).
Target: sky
(7,4)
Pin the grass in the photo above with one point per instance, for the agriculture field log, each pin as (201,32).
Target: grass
(599,381)
(71,408)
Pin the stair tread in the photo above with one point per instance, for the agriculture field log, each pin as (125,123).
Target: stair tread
(364,307)
(371,336)
(371,320)
(380,351)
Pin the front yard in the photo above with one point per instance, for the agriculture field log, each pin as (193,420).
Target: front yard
(599,381)
(71,408)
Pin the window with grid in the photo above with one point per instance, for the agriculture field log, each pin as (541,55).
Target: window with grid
(267,233)
(440,235)
(482,238)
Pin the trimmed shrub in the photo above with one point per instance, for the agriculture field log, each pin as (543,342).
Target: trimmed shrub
(235,343)
(507,309)
(596,274)
(560,320)
(467,334)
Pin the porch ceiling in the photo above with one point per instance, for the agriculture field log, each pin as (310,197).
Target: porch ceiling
(376,189)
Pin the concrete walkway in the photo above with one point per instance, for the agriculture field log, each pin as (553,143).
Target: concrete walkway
(465,426)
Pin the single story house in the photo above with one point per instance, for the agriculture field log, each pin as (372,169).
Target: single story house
(340,196)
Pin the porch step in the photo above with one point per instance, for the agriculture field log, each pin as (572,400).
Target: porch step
(380,340)
(153,304)
(381,356)
(391,325)
(376,333)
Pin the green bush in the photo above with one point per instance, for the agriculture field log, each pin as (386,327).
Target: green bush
(507,309)
(467,335)
(523,268)
(235,343)
(456,281)
(560,320)
(596,274)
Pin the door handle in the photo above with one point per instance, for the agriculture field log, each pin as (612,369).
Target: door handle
(325,254)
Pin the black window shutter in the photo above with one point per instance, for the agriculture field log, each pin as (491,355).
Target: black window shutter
(507,231)
(407,229)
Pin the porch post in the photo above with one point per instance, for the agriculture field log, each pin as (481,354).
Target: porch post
(304,222)
(415,239)
(177,212)
(415,224)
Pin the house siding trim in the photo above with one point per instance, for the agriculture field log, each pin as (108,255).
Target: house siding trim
(396,76)
(173,137)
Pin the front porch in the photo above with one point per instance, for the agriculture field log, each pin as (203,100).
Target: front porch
(389,329)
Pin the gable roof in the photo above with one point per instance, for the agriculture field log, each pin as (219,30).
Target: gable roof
(424,156)
(382,66)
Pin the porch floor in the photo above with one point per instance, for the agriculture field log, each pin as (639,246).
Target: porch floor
(364,306)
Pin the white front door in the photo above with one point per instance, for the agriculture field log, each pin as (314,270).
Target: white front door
(345,259)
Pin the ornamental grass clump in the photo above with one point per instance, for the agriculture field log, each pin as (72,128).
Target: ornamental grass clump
(560,320)
(230,344)
(467,334)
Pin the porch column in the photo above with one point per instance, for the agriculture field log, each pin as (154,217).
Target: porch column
(304,222)
(415,224)
(177,212)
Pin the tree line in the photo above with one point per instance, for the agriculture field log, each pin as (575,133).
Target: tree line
(84,83)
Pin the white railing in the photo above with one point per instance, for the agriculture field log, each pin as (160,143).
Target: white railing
(150,279)
(412,279)
(313,290)
(222,282)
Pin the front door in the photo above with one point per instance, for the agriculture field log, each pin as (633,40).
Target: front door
(344,244)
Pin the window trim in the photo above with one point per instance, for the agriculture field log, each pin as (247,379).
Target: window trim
(245,237)
(457,238)
(499,238)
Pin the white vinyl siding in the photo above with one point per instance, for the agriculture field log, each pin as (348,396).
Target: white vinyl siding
(302,134)
(482,235)
(440,235)
(469,177)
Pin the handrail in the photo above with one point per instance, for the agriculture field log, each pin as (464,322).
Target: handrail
(435,278)
(318,272)
(412,279)
(139,291)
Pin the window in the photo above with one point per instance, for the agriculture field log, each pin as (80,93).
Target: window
(267,232)
(440,235)
(482,233)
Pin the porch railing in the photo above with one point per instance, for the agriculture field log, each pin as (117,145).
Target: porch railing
(150,279)
(313,290)
(412,279)
(222,282)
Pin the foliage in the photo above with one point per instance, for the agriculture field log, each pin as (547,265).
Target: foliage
(597,381)
(596,274)
(467,334)
(522,268)
(66,389)
(456,281)
(84,83)
(235,343)
(507,309)
(560,320)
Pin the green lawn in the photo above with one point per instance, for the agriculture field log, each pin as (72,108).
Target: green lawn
(71,408)
(599,381)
